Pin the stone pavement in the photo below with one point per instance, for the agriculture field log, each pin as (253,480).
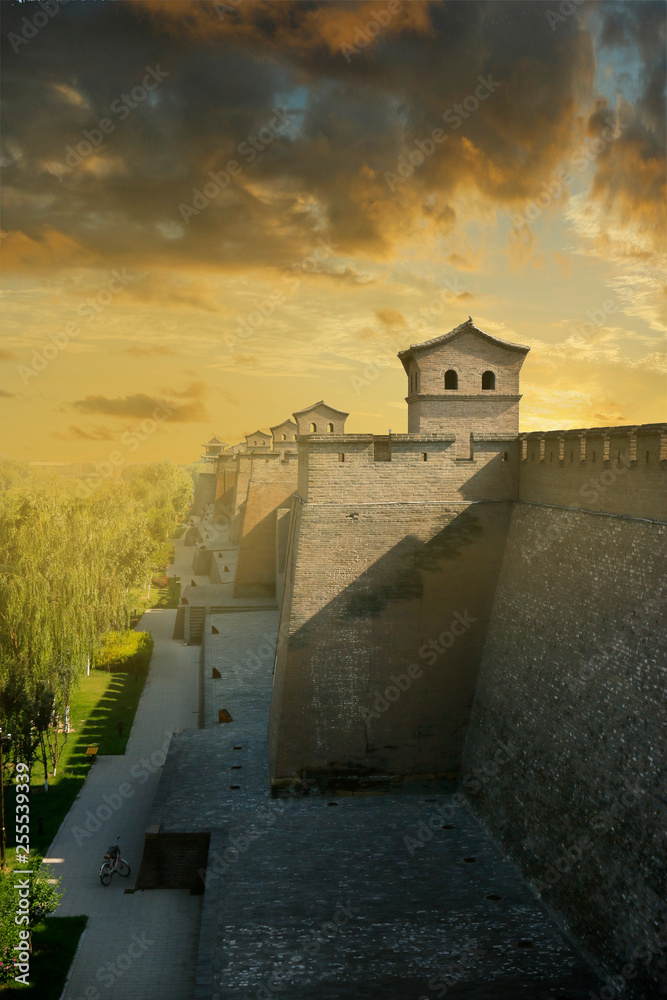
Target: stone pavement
(153,935)
(322,897)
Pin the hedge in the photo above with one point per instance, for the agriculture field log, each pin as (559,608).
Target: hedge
(125,651)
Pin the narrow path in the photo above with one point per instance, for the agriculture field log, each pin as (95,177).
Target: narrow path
(150,938)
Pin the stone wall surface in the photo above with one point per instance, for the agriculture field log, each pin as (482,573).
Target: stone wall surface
(271,484)
(204,491)
(613,469)
(383,622)
(364,476)
(574,674)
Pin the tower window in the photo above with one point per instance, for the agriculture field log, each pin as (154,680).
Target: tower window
(284,437)
(424,456)
(451,379)
(330,428)
(488,380)
(313,428)
(341,456)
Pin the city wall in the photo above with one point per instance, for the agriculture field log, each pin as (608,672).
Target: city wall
(271,483)
(621,470)
(574,675)
(383,620)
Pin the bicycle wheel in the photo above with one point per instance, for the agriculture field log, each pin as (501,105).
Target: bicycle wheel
(123,868)
(105,873)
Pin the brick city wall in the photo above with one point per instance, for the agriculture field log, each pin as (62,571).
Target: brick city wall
(369,591)
(271,484)
(364,477)
(243,472)
(204,491)
(574,675)
(615,469)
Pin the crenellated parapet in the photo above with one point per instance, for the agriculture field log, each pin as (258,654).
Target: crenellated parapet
(616,470)
(404,468)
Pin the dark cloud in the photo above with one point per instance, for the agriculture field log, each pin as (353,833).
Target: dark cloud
(349,123)
(631,171)
(141,406)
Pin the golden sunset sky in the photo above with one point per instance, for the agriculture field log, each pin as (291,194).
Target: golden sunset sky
(356,210)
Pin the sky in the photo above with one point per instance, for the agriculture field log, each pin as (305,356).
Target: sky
(215,214)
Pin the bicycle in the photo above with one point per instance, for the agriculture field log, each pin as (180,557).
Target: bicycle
(113,864)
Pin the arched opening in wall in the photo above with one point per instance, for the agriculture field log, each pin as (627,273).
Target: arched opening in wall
(488,380)
(284,437)
(451,379)
(330,428)
(313,428)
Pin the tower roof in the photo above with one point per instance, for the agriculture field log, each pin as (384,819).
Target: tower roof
(258,433)
(467,327)
(315,406)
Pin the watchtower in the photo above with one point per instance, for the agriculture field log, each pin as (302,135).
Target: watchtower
(465,382)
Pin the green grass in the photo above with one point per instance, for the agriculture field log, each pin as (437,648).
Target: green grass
(97,706)
(167,597)
(54,942)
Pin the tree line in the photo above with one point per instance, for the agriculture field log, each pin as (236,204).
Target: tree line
(70,566)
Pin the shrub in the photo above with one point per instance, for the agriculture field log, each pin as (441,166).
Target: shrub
(43,899)
(125,651)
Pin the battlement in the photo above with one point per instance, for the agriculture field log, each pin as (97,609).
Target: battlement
(588,468)
(407,468)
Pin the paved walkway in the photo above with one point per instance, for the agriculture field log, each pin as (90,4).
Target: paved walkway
(149,937)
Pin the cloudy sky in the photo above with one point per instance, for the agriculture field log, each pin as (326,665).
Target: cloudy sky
(217,213)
